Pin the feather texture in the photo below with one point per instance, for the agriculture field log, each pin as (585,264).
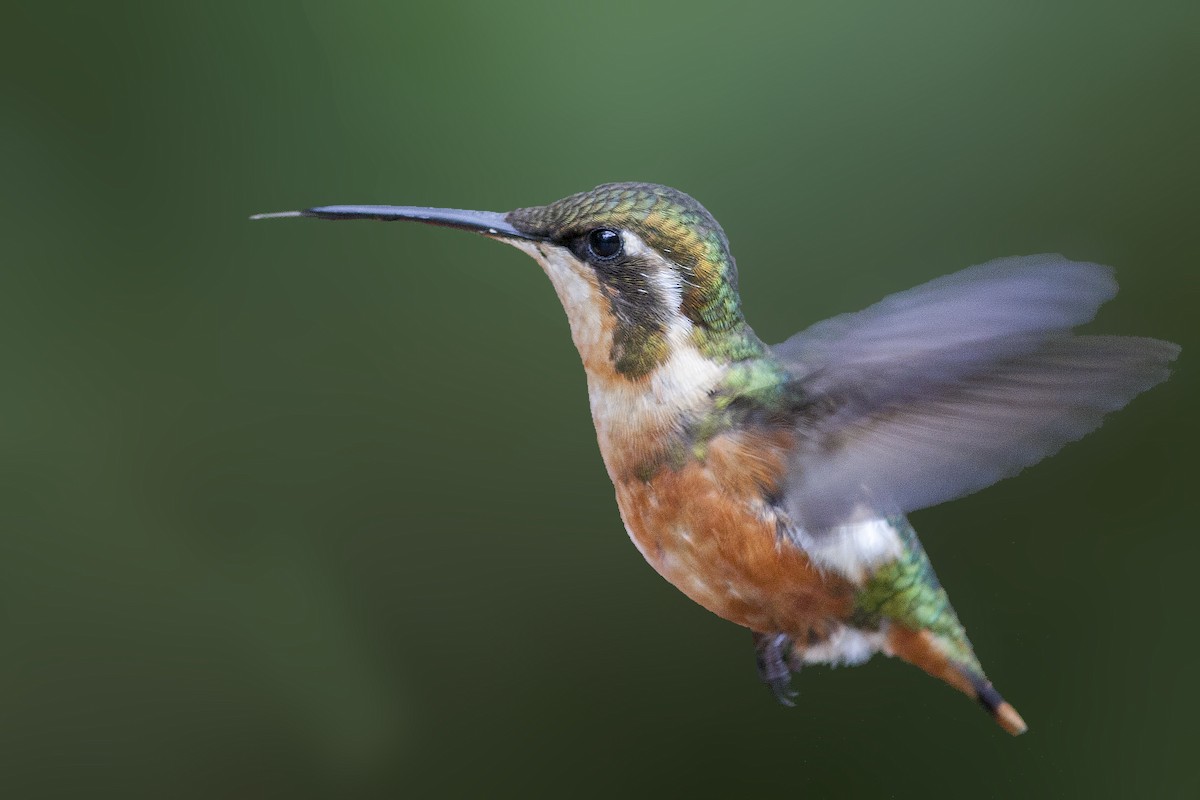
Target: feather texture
(942,390)
(944,329)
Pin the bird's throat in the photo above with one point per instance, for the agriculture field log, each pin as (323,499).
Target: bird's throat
(642,383)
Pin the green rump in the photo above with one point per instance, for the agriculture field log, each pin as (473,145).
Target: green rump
(683,231)
(906,591)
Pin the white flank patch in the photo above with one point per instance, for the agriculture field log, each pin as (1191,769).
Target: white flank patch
(854,550)
(846,646)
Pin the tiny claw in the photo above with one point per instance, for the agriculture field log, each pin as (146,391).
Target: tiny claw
(784,692)
(774,667)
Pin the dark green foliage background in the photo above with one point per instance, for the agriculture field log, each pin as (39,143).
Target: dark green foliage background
(312,509)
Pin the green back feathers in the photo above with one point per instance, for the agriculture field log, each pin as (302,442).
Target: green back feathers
(906,591)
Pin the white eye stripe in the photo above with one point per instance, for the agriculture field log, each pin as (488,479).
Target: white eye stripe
(634,245)
(662,274)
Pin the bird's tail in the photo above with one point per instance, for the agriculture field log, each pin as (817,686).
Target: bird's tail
(927,650)
(922,628)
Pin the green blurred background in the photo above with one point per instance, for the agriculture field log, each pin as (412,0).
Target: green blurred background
(305,509)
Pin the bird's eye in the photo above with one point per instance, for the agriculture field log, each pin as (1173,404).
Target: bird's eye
(604,243)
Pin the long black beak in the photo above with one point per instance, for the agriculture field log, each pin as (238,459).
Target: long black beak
(489,223)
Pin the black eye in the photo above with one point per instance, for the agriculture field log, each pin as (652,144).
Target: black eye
(604,243)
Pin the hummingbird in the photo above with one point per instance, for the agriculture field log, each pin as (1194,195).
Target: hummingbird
(770,483)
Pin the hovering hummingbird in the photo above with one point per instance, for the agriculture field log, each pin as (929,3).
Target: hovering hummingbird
(769,483)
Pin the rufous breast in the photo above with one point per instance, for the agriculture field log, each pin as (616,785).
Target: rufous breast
(708,528)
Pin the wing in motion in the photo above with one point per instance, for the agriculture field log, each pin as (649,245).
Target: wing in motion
(944,389)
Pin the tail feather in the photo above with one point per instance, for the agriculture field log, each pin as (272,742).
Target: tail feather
(1005,715)
(905,599)
(926,650)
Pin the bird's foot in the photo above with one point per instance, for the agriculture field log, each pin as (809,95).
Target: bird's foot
(773,653)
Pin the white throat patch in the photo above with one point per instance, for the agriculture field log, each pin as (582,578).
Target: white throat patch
(621,407)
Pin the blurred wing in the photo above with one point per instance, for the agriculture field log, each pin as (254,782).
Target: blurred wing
(945,329)
(947,388)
